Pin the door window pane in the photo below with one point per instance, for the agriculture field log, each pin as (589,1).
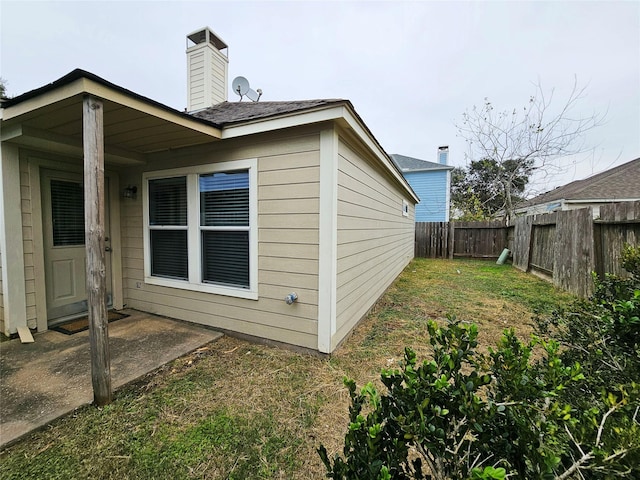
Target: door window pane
(67,213)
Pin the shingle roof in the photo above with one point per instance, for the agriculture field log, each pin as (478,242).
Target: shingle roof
(221,115)
(410,164)
(228,113)
(621,182)
(225,113)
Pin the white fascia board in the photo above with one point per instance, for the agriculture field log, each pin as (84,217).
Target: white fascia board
(434,169)
(601,200)
(57,95)
(357,126)
(337,113)
(290,120)
(83,86)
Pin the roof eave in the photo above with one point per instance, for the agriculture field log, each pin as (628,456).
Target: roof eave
(435,169)
(80,82)
(341,112)
(602,200)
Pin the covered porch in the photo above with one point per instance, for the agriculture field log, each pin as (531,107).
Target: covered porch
(60,234)
(51,377)
(78,126)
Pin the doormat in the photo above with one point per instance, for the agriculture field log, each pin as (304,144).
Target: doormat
(82,324)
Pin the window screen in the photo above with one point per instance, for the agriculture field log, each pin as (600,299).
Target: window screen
(224,223)
(225,258)
(169,256)
(224,199)
(168,224)
(168,201)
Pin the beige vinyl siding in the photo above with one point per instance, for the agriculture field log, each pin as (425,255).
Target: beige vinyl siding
(218,79)
(207,73)
(27,242)
(375,241)
(288,191)
(196,78)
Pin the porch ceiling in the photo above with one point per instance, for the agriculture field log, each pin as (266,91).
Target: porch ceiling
(133,126)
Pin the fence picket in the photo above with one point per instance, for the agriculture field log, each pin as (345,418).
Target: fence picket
(564,246)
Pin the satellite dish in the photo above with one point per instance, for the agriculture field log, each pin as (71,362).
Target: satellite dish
(240,85)
(253,96)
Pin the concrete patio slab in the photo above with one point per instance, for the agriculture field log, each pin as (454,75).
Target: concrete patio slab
(51,377)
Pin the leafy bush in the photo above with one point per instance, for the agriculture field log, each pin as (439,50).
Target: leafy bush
(602,334)
(462,415)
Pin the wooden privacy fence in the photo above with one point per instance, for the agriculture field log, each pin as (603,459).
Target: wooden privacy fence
(432,239)
(564,247)
(461,239)
(568,246)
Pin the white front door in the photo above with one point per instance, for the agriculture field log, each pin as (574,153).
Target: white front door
(64,245)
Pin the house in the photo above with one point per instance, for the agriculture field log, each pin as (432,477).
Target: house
(618,184)
(283,221)
(431,181)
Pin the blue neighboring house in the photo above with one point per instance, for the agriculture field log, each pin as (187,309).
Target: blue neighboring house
(431,181)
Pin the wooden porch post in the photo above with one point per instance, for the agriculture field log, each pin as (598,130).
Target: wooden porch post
(93,145)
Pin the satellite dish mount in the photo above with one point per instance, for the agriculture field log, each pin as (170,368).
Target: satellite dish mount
(240,86)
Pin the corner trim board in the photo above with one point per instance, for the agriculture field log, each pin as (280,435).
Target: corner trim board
(328,240)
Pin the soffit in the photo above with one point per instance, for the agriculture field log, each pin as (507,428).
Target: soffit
(132,127)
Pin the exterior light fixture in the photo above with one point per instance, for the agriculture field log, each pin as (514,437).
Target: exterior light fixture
(130,192)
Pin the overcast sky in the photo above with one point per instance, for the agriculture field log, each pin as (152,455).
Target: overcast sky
(409,68)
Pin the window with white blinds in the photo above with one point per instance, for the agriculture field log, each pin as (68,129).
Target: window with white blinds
(168,227)
(224,227)
(201,228)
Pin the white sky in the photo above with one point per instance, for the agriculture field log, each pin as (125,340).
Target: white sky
(410,68)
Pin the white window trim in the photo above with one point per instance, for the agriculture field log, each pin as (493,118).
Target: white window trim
(405,208)
(193,229)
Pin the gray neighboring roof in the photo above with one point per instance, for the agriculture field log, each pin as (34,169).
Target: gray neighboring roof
(410,164)
(621,182)
(228,113)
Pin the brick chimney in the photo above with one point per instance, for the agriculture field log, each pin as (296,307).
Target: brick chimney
(207,64)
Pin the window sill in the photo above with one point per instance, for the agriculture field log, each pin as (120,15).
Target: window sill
(200,287)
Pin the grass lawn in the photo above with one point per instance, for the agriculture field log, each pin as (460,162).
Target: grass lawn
(238,410)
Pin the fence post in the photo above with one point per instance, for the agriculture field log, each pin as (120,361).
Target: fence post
(451,246)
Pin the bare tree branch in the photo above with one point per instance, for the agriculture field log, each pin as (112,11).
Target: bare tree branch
(535,138)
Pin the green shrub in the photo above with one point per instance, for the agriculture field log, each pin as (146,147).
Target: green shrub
(602,334)
(462,415)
